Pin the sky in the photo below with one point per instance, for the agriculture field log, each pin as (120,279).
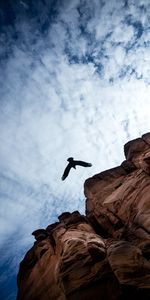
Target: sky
(74,81)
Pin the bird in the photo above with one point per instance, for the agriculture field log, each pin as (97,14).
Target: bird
(72,164)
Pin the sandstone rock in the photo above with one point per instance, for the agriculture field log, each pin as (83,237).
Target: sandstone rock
(104,255)
(138,152)
(69,262)
(118,206)
(129,264)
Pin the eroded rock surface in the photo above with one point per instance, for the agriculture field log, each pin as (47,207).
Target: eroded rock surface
(104,255)
(118,206)
(67,261)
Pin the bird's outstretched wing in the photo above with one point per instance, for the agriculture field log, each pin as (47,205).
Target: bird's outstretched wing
(82,163)
(66,172)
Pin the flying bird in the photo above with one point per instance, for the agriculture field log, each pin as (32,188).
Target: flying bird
(72,164)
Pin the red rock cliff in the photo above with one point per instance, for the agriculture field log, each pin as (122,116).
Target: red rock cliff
(104,255)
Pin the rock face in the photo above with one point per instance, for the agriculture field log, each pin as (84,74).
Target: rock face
(104,255)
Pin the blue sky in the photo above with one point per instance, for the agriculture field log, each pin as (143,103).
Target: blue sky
(74,81)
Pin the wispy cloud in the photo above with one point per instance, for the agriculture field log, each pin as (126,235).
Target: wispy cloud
(75,82)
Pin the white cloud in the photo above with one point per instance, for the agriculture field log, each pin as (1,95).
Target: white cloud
(123,33)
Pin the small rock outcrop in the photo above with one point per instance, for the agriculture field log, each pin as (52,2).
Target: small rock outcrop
(104,255)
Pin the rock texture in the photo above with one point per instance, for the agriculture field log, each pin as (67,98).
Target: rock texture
(104,255)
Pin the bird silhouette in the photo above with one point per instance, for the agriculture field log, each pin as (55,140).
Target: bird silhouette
(72,164)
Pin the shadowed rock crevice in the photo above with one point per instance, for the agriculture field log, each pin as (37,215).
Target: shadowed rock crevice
(104,255)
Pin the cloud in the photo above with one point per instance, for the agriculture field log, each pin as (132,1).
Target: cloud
(75,82)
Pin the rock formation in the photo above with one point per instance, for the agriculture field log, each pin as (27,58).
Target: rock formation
(104,255)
